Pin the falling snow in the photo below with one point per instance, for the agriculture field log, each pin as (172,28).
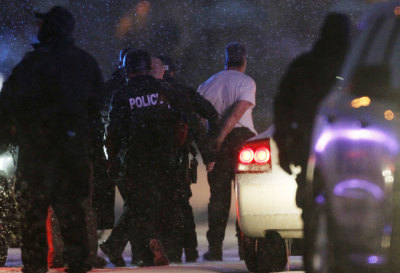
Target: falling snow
(193,32)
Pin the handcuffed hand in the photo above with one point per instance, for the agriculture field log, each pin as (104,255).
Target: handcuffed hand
(210,166)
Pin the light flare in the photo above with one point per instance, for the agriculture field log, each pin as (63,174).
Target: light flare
(246,156)
(1,81)
(355,188)
(397,11)
(356,135)
(143,8)
(125,24)
(360,102)
(389,115)
(262,155)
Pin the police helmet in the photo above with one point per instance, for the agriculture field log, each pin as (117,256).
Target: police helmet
(123,52)
(137,61)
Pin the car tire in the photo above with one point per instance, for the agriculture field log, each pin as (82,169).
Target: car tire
(249,252)
(273,255)
(295,246)
(267,254)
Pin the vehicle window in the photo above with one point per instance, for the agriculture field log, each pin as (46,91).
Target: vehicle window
(380,43)
(358,52)
(394,59)
(372,81)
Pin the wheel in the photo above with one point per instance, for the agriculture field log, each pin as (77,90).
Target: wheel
(294,246)
(267,254)
(250,255)
(273,255)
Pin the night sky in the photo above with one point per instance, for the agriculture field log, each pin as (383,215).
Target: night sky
(192,32)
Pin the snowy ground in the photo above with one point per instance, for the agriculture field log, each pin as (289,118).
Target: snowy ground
(231,263)
(199,201)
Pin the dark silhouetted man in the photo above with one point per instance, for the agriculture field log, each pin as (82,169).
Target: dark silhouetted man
(306,82)
(52,103)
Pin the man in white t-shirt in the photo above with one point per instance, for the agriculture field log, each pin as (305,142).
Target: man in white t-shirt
(233,95)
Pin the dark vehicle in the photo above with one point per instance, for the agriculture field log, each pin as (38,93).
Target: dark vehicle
(9,217)
(353,173)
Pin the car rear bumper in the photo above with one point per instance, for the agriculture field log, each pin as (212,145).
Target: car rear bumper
(266,201)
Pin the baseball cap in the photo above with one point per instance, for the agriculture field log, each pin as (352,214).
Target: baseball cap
(59,18)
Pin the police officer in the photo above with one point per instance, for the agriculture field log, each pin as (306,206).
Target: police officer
(104,188)
(149,116)
(185,235)
(142,114)
(115,244)
(51,105)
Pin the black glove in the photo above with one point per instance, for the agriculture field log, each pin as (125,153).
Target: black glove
(193,170)
(284,162)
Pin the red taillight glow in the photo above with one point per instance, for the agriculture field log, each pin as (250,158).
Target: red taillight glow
(246,156)
(255,156)
(262,155)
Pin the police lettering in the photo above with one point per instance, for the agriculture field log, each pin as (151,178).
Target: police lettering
(143,101)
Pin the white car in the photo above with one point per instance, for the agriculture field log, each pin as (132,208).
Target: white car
(266,207)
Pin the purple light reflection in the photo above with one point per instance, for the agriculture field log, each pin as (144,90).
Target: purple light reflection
(387,230)
(347,187)
(355,135)
(370,259)
(374,259)
(320,199)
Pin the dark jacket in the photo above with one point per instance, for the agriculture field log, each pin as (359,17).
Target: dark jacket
(104,184)
(307,81)
(146,115)
(113,85)
(194,106)
(56,92)
(50,107)
(200,105)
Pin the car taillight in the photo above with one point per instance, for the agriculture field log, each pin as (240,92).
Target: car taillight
(246,156)
(262,155)
(255,156)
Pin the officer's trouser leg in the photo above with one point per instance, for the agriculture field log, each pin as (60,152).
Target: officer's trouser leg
(189,235)
(120,233)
